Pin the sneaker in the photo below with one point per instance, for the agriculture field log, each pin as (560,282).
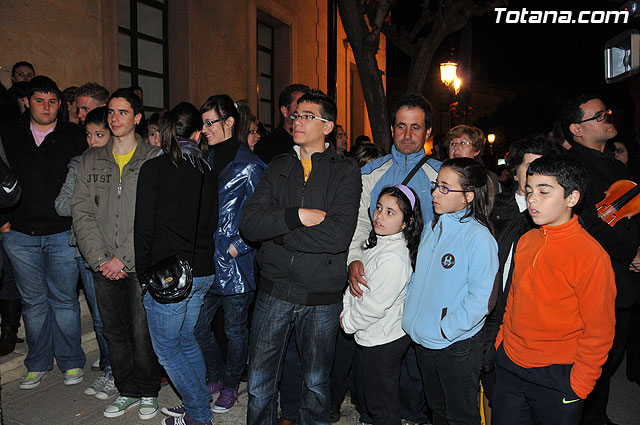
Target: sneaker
(214,388)
(108,390)
(225,401)
(174,411)
(120,406)
(148,408)
(96,365)
(183,420)
(96,386)
(32,380)
(73,376)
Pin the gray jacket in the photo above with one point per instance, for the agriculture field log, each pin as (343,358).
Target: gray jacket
(104,205)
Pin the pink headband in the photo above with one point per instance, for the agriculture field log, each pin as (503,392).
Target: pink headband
(408,193)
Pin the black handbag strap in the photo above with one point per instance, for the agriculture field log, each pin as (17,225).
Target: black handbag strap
(195,236)
(415,169)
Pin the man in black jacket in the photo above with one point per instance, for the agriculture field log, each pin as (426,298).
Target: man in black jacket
(280,140)
(304,210)
(38,147)
(587,123)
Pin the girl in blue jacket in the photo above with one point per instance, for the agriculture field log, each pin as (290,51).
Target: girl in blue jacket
(376,318)
(448,298)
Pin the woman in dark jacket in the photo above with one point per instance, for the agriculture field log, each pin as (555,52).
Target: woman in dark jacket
(176,213)
(510,220)
(238,170)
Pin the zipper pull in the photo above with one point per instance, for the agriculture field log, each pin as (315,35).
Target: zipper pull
(119,187)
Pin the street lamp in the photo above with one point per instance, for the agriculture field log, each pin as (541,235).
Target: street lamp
(448,72)
(456,85)
(491,138)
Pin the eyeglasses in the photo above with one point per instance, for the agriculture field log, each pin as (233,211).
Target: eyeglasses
(462,144)
(294,117)
(444,189)
(600,116)
(209,123)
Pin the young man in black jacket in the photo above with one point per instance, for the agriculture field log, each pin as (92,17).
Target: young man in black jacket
(304,210)
(39,146)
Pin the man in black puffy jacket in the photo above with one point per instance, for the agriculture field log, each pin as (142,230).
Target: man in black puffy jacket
(304,210)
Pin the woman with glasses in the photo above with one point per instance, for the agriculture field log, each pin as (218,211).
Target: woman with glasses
(238,170)
(465,141)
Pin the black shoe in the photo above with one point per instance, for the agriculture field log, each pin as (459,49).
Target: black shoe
(334,416)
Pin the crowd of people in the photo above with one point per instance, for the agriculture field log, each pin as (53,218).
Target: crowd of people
(432,289)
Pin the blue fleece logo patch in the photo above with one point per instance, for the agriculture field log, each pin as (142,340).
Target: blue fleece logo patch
(448,261)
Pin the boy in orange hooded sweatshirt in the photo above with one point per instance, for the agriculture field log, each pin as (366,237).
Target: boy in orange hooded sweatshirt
(559,321)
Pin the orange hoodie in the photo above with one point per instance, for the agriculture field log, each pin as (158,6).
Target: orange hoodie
(561,307)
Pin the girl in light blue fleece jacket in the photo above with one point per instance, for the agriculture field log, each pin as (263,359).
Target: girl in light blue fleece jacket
(448,298)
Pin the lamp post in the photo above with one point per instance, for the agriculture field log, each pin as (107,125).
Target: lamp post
(491,138)
(451,81)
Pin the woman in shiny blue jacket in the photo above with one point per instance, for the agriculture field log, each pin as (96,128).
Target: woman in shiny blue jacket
(238,170)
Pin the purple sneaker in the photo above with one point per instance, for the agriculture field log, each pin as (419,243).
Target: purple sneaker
(214,388)
(225,401)
(174,411)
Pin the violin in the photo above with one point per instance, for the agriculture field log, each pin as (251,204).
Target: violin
(621,200)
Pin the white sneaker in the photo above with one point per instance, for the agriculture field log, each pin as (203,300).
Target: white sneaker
(108,390)
(96,386)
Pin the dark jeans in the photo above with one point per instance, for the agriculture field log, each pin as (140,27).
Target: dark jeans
(412,397)
(595,407)
(382,382)
(133,362)
(316,327)
(236,328)
(357,392)
(342,362)
(291,383)
(451,380)
(540,395)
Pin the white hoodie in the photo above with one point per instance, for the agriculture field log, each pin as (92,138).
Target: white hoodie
(376,317)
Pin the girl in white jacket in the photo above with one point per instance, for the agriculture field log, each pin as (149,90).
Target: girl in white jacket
(376,317)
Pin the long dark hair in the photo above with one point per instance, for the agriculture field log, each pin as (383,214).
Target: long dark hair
(180,122)
(225,108)
(473,178)
(411,218)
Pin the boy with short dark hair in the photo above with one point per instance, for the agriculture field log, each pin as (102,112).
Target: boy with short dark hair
(559,321)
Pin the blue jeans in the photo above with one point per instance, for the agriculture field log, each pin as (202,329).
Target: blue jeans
(236,328)
(172,332)
(47,279)
(316,327)
(90,294)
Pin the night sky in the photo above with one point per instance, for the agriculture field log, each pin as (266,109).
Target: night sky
(542,63)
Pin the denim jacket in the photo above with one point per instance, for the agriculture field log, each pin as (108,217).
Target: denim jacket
(236,184)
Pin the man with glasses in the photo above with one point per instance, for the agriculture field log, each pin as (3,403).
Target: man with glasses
(411,119)
(304,211)
(588,125)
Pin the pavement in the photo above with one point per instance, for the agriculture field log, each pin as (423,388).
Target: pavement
(54,403)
